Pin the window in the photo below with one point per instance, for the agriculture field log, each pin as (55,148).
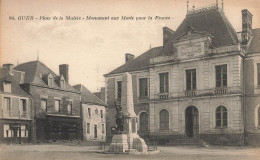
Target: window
(143,126)
(24,131)
(89,112)
(119,89)
(103,128)
(164,85)
(7,87)
(221,76)
(164,119)
(143,88)
(69,108)
(95,131)
(191,79)
(23,105)
(88,127)
(221,116)
(7,105)
(258,74)
(50,81)
(44,104)
(7,131)
(62,84)
(101,113)
(57,105)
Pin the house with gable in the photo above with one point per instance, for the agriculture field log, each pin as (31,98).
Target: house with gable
(93,111)
(55,103)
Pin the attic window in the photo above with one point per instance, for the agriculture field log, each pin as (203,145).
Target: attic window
(62,84)
(7,87)
(50,81)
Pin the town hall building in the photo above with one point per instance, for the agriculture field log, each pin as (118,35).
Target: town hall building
(202,83)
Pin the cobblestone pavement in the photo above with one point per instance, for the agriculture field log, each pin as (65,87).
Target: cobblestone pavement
(82,152)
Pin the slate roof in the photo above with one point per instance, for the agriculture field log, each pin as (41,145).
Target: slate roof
(210,21)
(254,45)
(139,63)
(87,96)
(15,80)
(35,70)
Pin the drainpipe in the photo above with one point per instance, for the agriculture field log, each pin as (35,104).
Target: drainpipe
(244,103)
(20,142)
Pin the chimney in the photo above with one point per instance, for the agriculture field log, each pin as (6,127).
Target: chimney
(246,26)
(167,32)
(9,67)
(129,57)
(64,71)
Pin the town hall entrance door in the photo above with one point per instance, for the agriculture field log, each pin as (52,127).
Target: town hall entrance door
(192,121)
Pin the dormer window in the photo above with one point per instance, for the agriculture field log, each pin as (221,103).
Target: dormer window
(50,81)
(7,87)
(62,83)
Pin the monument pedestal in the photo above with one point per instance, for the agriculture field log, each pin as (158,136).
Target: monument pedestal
(127,143)
(119,143)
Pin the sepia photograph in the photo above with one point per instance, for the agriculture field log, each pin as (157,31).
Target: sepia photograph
(129,79)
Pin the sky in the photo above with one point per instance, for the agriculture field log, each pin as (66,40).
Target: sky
(93,48)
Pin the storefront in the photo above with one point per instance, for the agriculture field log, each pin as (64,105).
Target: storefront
(15,131)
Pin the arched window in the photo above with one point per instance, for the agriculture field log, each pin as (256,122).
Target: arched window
(221,116)
(164,119)
(143,118)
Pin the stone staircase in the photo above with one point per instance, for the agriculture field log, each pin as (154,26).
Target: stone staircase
(187,141)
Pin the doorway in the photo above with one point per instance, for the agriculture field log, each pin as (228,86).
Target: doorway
(16,133)
(95,131)
(192,121)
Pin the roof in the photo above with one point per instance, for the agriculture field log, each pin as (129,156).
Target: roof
(35,71)
(15,80)
(87,96)
(139,63)
(254,43)
(211,21)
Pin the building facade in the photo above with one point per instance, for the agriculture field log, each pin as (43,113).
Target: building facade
(15,107)
(55,104)
(93,115)
(202,83)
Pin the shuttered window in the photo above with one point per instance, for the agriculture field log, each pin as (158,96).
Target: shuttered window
(164,83)
(221,76)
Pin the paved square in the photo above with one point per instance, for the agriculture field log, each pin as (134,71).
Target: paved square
(81,152)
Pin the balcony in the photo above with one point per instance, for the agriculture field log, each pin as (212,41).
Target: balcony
(190,93)
(163,95)
(221,91)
